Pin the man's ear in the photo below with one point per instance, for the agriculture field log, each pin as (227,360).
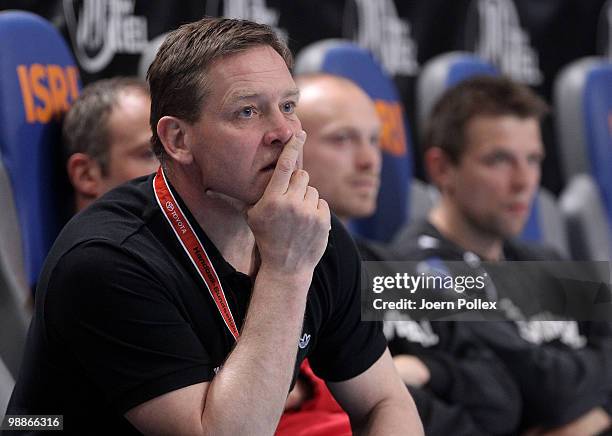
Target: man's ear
(439,168)
(174,134)
(85,175)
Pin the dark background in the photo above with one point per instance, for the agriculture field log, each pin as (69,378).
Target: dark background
(531,40)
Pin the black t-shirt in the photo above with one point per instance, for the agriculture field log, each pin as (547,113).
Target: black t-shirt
(122,316)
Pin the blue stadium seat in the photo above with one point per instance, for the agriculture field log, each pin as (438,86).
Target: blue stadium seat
(38,82)
(545,223)
(585,219)
(583,102)
(347,59)
(443,72)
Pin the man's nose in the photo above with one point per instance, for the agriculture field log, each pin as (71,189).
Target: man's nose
(367,156)
(525,175)
(279,129)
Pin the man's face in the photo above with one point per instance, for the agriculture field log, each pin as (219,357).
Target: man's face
(129,153)
(341,152)
(498,174)
(247,118)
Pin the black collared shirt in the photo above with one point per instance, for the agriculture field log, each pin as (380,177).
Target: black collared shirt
(122,316)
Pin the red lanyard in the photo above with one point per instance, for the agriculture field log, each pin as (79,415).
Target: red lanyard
(193,247)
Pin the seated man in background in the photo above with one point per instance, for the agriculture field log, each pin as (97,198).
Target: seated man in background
(459,389)
(107,137)
(483,150)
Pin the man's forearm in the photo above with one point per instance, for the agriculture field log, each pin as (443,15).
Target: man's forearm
(248,394)
(390,417)
(378,402)
(593,422)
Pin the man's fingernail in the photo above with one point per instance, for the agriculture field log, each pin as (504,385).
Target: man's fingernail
(301,135)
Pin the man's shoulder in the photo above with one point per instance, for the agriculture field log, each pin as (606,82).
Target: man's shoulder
(117,243)
(113,217)
(118,221)
(421,240)
(515,249)
(374,251)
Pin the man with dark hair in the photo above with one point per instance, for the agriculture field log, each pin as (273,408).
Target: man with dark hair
(182,92)
(483,151)
(459,387)
(106,137)
(184,302)
(485,131)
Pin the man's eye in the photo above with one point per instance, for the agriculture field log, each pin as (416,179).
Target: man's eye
(340,139)
(497,159)
(288,107)
(247,112)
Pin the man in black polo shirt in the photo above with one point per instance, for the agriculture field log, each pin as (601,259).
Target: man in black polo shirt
(483,150)
(183,303)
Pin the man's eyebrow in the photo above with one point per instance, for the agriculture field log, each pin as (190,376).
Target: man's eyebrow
(294,92)
(247,95)
(243,95)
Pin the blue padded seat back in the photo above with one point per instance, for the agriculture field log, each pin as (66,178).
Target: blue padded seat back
(583,102)
(38,82)
(533,231)
(442,72)
(597,111)
(467,66)
(344,58)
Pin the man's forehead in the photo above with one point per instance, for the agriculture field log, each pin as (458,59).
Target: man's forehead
(259,59)
(503,126)
(351,127)
(345,113)
(255,73)
(327,87)
(506,146)
(502,122)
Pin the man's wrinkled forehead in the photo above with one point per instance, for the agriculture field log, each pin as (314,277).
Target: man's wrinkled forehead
(247,59)
(249,73)
(492,131)
(241,95)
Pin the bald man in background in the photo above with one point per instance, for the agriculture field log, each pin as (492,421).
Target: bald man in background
(107,138)
(343,157)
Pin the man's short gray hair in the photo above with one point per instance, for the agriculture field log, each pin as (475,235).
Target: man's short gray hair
(85,127)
